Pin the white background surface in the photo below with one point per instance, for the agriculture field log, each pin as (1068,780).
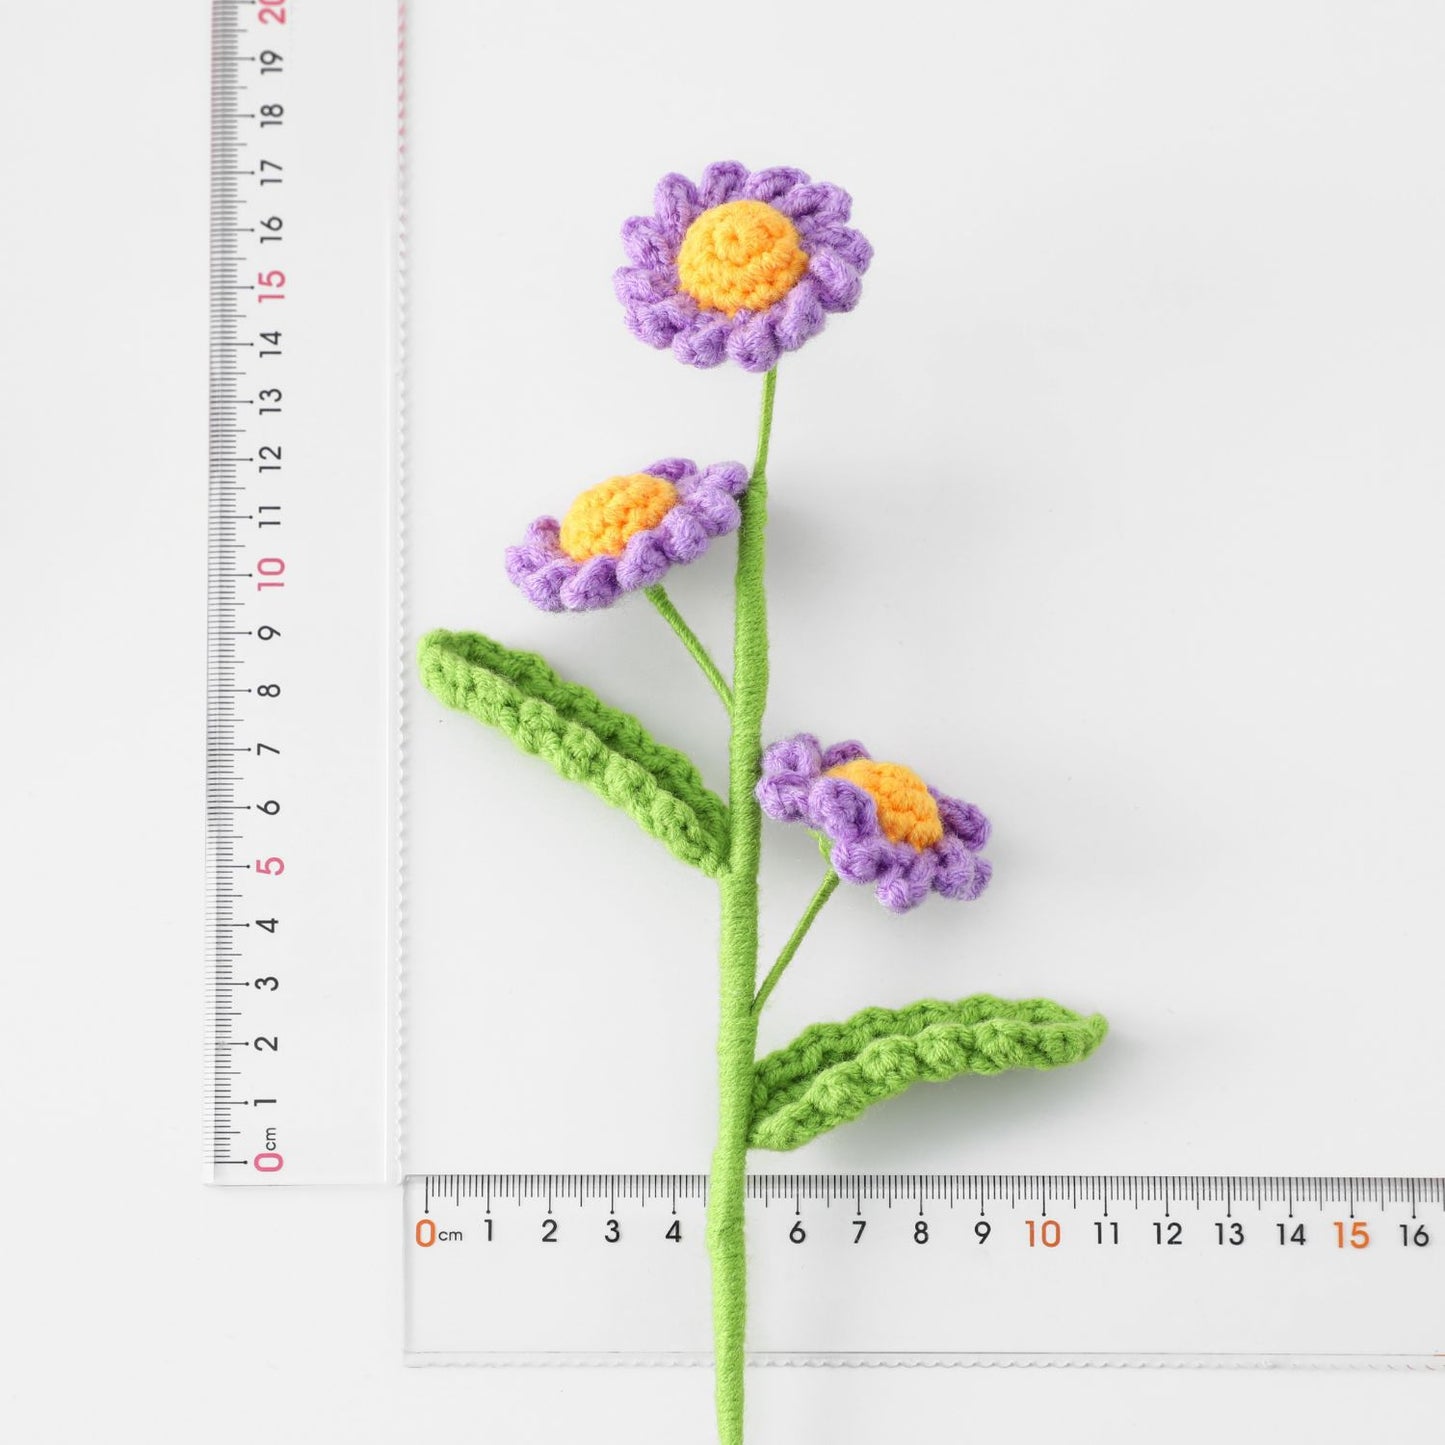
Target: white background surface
(1115,508)
(1182,425)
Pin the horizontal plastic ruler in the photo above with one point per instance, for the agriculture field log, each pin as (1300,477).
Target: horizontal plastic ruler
(302,653)
(932,1269)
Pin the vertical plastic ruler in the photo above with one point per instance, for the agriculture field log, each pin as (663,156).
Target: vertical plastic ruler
(302,616)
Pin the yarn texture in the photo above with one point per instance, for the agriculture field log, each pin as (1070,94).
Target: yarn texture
(740,254)
(627,533)
(745,266)
(740,266)
(905,807)
(583,738)
(602,521)
(831,1073)
(878,823)
(737,1037)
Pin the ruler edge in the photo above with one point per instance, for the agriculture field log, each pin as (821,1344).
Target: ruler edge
(394,1127)
(914,1359)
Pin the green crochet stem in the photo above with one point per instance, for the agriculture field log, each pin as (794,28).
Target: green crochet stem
(664,604)
(738,950)
(824,893)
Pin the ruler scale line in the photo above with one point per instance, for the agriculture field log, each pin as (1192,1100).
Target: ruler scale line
(900,1245)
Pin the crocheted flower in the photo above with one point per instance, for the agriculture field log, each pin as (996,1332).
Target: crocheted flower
(883,823)
(626,533)
(745,264)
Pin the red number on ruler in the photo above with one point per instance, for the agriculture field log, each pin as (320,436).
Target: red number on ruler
(1048,1234)
(267,1163)
(273,866)
(270,567)
(269,284)
(268,13)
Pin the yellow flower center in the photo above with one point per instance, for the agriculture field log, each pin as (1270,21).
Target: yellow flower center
(906,810)
(740,254)
(601,520)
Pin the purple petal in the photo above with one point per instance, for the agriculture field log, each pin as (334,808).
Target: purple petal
(671,469)
(718,512)
(721,181)
(897,890)
(828,203)
(704,342)
(675,201)
(683,536)
(545,532)
(644,561)
(838,282)
(784,797)
(960,874)
(963,820)
(983,871)
(844,752)
(657,322)
(956,867)
(768,185)
(799,315)
(593,585)
(541,585)
(844,241)
(639,284)
(753,345)
(729,477)
(647,242)
(859,860)
(797,754)
(844,812)
(921,869)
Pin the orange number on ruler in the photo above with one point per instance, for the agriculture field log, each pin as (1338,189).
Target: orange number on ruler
(1047,1234)
(1357,1238)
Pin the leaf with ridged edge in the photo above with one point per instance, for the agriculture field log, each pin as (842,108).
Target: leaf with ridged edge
(831,1073)
(583,738)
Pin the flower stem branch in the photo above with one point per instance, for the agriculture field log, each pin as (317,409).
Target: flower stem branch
(738,949)
(657,595)
(824,893)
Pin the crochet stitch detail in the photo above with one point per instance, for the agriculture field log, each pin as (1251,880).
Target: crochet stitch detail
(583,738)
(740,255)
(906,810)
(601,521)
(803,782)
(706,506)
(832,1072)
(663,312)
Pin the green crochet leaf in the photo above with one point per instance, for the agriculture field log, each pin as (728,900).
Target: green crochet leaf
(585,740)
(831,1073)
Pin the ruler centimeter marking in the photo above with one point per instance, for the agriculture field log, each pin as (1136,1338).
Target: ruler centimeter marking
(938,1268)
(298,554)
(223,603)
(951,1190)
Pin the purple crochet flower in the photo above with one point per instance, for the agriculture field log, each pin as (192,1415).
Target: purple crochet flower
(744,265)
(626,533)
(883,823)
